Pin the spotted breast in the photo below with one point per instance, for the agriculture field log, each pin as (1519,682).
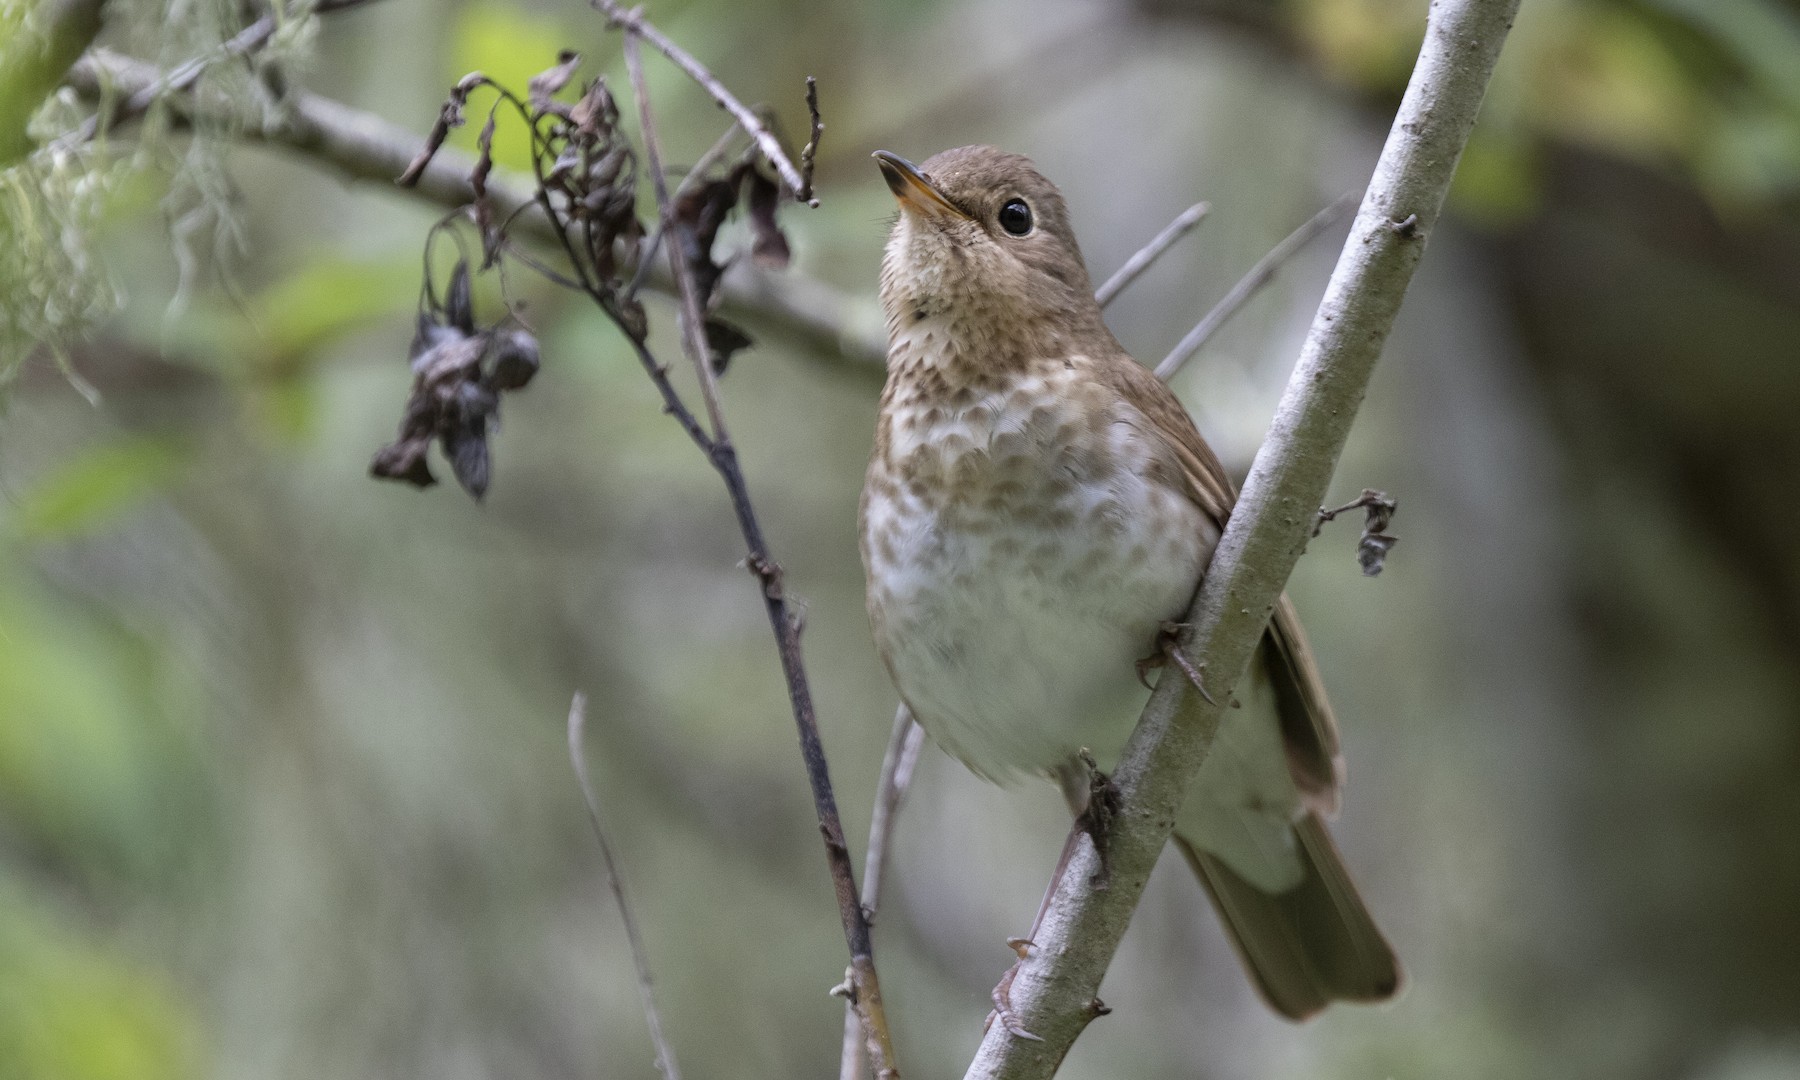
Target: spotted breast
(1021,552)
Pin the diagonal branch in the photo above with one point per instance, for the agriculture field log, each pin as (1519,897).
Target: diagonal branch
(1053,993)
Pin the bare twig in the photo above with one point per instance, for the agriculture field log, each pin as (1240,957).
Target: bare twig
(1260,274)
(363,146)
(896,777)
(693,316)
(634,21)
(864,988)
(1135,266)
(640,958)
(1054,986)
(1372,548)
(811,149)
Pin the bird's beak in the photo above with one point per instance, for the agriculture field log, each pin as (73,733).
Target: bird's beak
(912,189)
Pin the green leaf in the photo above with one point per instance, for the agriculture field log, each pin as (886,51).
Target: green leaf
(98,485)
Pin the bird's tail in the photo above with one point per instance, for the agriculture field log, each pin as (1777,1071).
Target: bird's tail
(1308,946)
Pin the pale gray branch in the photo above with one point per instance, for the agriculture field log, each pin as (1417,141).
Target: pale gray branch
(890,792)
(1149,253)
(1053,994)
(1260,274)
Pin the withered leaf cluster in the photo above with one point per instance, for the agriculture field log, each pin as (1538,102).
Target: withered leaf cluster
(1373,546)
(592,175)
(587,186)
(700,210)
(459,373)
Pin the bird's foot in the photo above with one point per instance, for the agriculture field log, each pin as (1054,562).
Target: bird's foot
(1097,819)
(1168,651)
(1002,996)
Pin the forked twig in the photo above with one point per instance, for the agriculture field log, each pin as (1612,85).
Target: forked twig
(896,778)
(1135,266)
(634,23)
(864,988)
(665,1055)
(1260,274)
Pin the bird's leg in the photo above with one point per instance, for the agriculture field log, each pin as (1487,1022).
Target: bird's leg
(1168,650)
(1093,799)
(1099,804)
(1021,947)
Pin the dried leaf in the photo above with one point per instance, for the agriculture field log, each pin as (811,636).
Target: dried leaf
(484,159)
(515,353)
(770,246)
(1372,551)
(633,320)
(596,113)
(467,450)
(723,339)
(450,116)
(545,85)
(404,460)
(459,305)
(698,215)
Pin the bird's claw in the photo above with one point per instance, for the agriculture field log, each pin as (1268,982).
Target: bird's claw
(1002,996)
(1168,651)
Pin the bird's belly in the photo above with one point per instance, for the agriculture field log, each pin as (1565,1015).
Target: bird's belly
(1014,636)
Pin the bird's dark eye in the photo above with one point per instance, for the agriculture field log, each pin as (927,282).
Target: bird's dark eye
(1015,217)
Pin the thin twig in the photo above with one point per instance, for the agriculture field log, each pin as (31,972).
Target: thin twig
(1053,989)
(896,777)
(635,22)
(864,987)
(693,316)
(811,150)
(1260,274)
(640,958)
(1135,266)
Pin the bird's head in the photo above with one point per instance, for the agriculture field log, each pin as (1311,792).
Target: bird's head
(983,243)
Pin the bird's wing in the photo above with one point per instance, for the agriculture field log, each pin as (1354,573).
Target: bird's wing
(1308,726)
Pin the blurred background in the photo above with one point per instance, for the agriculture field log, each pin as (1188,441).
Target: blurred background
(283,785)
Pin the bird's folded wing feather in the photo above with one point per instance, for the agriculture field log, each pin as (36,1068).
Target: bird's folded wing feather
(1308,727)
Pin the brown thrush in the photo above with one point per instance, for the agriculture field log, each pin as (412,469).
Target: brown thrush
(1038,506)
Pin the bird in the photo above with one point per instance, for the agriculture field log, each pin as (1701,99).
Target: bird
(1038,510)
